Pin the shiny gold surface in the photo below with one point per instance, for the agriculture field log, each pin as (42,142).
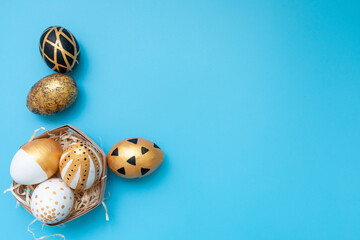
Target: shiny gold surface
(46,152)
(81,154)
(146,160)
(52,94)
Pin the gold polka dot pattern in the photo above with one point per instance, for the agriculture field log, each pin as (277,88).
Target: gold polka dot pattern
(52,201)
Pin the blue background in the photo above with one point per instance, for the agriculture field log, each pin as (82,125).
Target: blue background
(256,105)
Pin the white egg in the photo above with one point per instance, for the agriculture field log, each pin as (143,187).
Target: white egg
(52,201)
(36,161)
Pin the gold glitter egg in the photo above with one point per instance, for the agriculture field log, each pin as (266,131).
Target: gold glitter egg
(52,94)
(134,158)
(80,165)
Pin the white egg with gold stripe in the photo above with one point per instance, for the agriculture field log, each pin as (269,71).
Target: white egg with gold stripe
(81,165)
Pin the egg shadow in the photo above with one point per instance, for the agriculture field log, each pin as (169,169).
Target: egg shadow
(114,203)
(82,223)
(138,184)
(79,225)
(76,109)
(80,71)
(152,179)
(70,113)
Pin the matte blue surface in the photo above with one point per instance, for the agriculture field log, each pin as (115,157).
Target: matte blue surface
(256,105)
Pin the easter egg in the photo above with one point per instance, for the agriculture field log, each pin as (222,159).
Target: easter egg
(59,49)
(52,94)
(134,157)
(52,201)
(81,165)
(36,161)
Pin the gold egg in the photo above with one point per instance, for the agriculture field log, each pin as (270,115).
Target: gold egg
(36,161)
(52,94)
(81,165)
(134,157)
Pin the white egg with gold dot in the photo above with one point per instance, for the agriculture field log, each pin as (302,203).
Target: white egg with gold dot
(52,201)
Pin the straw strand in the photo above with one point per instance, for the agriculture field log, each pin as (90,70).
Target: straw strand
(43,237)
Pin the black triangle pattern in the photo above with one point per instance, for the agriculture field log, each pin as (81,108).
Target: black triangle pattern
(144,150)
(115,152)
(134,140)
(156,146)
(121,171)
(144,171)
(132,160)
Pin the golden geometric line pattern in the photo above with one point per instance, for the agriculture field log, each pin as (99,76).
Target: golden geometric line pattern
(62,53)
(58,46)
(76,50)
(54,45)
(55,51)
(43,46)
(72,41)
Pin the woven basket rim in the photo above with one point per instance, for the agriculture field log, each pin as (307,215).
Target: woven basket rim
(82,135)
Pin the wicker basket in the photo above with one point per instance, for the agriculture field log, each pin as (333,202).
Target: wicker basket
(101,185)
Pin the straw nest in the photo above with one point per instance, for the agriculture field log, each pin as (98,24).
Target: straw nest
(85,201)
